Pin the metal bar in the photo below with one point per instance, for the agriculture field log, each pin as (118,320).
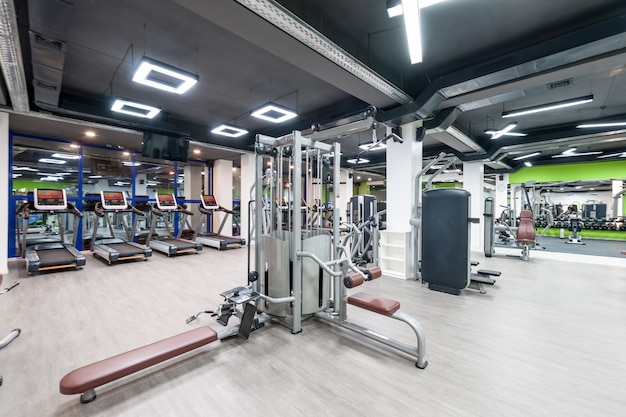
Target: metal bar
(322,264)
(296,240)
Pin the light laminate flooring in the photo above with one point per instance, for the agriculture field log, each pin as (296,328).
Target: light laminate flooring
(548,339)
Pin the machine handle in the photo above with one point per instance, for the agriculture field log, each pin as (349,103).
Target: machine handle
(135,210)
(474,220)
(72,208)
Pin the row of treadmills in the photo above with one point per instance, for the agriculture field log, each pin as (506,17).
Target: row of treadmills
(50,251)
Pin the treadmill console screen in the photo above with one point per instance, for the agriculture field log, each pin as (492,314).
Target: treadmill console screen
(50,199)
(113,200)
(209,202)
(166,202)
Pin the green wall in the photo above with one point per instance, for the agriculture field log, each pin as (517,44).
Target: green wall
(571,172)
(29,185)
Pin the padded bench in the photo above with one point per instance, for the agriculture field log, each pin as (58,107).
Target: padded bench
(84,380)
(380,305)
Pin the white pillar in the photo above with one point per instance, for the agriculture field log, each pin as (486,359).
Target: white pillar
(404,161)
(501,197)
(141,184)
(193,191)
(223,192)
(4,192)
(618,188)
(248,164)
(473,181)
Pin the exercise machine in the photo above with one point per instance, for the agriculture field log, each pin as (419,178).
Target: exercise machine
(13,333)
(49,253)
(208,206)
(575,226)
(113,249)
(303,272)
(169,244)
(362,235)
(524,235)
(446,226)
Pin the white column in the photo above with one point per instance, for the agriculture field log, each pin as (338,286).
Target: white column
(501,198)
(141,184)
(248,164)
(618,188)
(345,189)
(4,192)
(404,161)
(223,192)
(192,191)
(473,181)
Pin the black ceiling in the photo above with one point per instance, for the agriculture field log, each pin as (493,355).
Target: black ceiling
(481,57)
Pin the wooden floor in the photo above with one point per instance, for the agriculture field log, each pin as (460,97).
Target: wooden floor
(548,339)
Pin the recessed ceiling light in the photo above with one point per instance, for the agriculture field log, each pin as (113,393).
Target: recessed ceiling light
(90,134)
(75,146)
(52,161)
(165,77)
(528,164)
(126,153)
(135,109)
(273,113)
(229,130)
(131,164)
(95,176)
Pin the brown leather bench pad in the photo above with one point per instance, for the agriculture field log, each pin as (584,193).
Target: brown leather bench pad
(380,305)
(108,370)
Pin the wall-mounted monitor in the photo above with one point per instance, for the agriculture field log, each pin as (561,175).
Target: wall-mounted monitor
(113,200)
(165,147)
(49,199)
(209,202)
(166,202)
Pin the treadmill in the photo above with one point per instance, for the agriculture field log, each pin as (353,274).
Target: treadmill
(169,244)
(215,240)
(111,248)
(45,254)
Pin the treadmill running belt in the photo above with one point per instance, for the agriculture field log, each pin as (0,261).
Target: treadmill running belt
(124,249)
(55,257)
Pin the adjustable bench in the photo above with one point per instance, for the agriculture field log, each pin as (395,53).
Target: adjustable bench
(84,380)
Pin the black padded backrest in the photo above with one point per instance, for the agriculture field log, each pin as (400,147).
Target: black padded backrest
(445,238)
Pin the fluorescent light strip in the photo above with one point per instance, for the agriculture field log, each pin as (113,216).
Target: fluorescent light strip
(95,176)
(594,125)
(528,164)
(65,156)
(24,169)
(121,106)
(261,113)
(550,106)
(131,164)
(620,154)
(530,155)
(506,129)
(412,25)
(50,178)
(397,9)
(148,66)
(576,154)
(491,132)
(358,161)
(52,161)
(229,130)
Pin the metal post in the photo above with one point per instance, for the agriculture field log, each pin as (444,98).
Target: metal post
(296,239)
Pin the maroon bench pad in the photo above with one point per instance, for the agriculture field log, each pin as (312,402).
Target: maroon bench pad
(380,305)
(108,370)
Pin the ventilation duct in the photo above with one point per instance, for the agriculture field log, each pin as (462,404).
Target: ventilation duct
(11,58)
(48,22)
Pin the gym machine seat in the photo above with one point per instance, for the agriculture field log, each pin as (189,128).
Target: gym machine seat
(380,305)
(84,380)
(526,231)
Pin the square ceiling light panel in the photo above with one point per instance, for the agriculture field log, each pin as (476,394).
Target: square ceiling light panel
(165,77)
(274,113)
(229,130)
(135,109)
